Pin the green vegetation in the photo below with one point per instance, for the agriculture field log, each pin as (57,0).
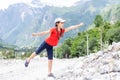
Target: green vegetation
(103,34)
(98,21)
(7,53)
(18,53)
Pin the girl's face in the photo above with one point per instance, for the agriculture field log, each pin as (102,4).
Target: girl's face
(60,24)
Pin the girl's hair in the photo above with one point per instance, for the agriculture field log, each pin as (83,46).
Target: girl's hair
(61,35)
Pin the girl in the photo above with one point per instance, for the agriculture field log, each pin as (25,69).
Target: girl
(55,34)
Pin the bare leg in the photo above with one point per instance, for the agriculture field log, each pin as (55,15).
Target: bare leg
(31,56)
(50,66)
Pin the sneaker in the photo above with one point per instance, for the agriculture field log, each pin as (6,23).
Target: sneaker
(51,75)
(26,63)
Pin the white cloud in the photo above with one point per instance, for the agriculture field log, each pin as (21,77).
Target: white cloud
(59,3)
(5,3)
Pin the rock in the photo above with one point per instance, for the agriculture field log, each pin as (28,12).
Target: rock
(103,65)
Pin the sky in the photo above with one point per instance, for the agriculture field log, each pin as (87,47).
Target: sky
(5,3)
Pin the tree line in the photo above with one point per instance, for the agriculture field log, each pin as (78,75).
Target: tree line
(90,41)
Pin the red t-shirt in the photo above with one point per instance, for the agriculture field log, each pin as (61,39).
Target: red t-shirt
(53,38)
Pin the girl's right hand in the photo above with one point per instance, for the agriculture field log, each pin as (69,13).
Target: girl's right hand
(33,34)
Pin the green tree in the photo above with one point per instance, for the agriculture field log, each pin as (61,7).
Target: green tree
(64,49)
(113,35)
(98,21)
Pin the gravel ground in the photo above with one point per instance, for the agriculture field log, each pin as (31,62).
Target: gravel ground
(103,65)
(37,70)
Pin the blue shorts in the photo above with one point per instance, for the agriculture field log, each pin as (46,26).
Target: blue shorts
(49,49)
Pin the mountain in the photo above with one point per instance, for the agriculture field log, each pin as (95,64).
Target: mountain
(1,42)
(6,45)
(111,13)
(19,21)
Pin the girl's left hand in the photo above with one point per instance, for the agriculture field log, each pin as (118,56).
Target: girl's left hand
(81,24)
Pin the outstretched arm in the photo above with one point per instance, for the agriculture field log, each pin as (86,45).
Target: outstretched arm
(73,27)
(41,33)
